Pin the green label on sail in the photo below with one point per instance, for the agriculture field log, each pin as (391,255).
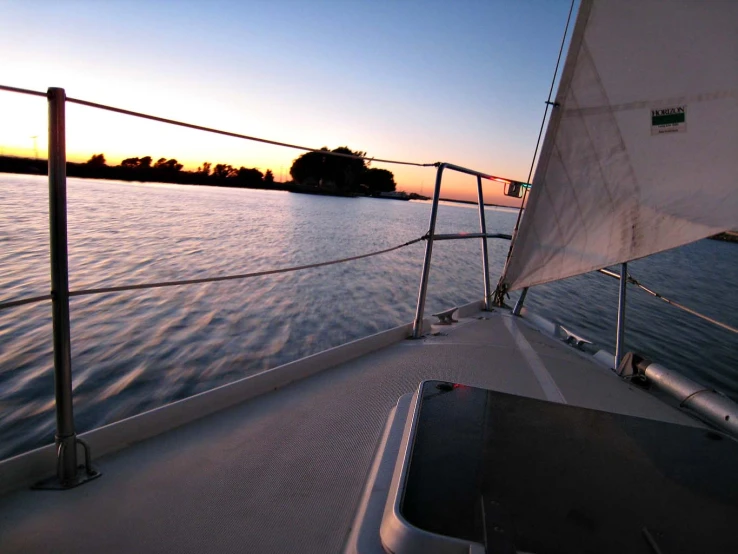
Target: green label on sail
(669,120)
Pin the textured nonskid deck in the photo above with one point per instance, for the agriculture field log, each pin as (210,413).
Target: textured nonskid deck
(284,472)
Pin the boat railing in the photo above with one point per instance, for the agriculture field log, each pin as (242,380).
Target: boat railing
(69,473)
(66,440)
(432,237)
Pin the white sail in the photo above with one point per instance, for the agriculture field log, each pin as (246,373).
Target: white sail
(641,154)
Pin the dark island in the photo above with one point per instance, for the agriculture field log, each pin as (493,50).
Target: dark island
(338,172)
(146,170)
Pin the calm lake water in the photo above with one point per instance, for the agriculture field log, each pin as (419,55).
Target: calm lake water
(137,350)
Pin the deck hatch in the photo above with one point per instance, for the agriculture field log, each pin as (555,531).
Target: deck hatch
(537,476)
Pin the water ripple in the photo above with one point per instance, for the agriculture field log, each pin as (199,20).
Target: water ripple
(137,350)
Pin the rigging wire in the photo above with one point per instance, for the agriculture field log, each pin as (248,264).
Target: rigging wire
(30,300)
(502,289)
(23,91)
(22,301)
(543,121)
(630,279)
(216,131)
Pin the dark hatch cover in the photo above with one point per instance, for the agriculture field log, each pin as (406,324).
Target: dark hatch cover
(521,474)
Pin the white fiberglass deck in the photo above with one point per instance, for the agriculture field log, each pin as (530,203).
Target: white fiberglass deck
(284,472)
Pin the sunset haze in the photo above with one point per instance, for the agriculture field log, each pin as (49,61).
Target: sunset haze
(418,81)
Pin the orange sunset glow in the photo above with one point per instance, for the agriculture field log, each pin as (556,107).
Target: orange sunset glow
(258,84)
(368,276)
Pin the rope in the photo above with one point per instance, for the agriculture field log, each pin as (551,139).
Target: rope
(241,276)
(23,91)
(238,135)
(630,279)
(215,131)
(20,302)
(161,284)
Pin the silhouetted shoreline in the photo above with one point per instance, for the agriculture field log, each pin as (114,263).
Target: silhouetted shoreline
(145,170)
(163,171)
(167,171)
(220,176)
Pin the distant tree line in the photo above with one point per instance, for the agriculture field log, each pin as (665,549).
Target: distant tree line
(170,171)
(318,172)
(341,174)
(145,169)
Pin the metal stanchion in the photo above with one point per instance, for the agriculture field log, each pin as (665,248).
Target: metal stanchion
(620,339)
(418,322)
(68,473)
(485,255)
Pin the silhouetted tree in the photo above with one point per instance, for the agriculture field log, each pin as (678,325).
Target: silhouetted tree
(168,165)
(137,163)
(142,169)
(330,172)
(249,177)
(379,180)
(224,171)
(97,160)
(204,168)
(307,169)
(346,172)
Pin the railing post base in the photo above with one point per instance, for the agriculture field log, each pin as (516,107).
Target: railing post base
(76,477)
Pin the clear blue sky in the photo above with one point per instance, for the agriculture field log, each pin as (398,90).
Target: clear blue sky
(463,82)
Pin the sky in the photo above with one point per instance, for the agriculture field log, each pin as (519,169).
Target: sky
(456,81)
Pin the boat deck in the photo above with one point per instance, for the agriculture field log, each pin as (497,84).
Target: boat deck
(284,472)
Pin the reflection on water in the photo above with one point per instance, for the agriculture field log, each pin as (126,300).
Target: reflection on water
(136,350)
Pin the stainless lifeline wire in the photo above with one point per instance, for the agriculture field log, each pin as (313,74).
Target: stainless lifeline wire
(215,131)
(682,307)
(85,292)
(30,300)
(22,301)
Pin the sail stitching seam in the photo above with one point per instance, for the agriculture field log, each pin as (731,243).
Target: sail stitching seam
(641,104)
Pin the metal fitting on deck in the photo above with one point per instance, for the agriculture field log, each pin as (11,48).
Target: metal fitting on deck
(708,404)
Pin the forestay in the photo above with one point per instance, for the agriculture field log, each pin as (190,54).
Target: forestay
(641,153)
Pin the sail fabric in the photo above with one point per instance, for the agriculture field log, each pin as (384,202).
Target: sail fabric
(641,153)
